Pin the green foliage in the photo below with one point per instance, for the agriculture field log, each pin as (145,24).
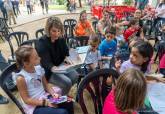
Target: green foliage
(128,2)
(61,2)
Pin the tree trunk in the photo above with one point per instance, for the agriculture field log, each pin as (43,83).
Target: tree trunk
(80,4)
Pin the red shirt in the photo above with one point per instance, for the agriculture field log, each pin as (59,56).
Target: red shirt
(110,107)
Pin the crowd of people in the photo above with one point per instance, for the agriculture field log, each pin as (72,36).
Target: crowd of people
(125,41)
(10,9)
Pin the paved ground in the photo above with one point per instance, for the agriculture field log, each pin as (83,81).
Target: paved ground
(31,23)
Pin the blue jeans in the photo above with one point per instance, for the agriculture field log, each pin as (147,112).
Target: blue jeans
(49,110)
(64,81)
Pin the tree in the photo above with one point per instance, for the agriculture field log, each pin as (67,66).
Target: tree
(80,4)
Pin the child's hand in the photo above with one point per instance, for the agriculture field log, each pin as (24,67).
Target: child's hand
(55,95)
(159,79)
(51,105)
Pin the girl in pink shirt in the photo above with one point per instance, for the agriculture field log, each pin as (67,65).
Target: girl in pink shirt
(128,95)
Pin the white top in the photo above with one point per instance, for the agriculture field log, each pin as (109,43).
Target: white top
(34,83)
(160,11)
(93,57)
(34,86)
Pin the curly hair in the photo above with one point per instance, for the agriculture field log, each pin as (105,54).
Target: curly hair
(53,22)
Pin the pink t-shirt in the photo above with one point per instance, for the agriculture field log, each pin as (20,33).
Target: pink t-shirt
(162,62)
(109,105)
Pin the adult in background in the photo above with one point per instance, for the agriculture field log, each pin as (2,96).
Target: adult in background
(104,22)
(4,12)
(53,51)
(10,12)
(141,4)
(28,5)
(13,2)
(44,5)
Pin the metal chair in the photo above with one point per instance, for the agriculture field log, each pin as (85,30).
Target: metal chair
(69,25)
(15,39)
(39,33)
(5,82)
(95,84)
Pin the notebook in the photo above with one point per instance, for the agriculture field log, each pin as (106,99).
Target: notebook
(75,59)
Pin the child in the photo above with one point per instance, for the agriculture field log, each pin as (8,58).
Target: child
(122,46)
(83,27)
(108,46)
(132,30)
(93,55)
(128,94)
(140,57)
(32,84)
(162,65)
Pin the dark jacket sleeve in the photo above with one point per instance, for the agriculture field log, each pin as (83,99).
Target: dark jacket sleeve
(65,47)
(44,53)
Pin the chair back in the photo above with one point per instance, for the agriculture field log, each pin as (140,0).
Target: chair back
(94,24)
(40,32)
(4,82)
(4,28)
(31,42)
(72,42)
(15,39)
(82,40)
(69,25)
(95,84)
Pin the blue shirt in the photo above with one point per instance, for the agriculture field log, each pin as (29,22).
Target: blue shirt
(108,48)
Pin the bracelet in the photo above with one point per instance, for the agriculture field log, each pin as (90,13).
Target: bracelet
(43,102)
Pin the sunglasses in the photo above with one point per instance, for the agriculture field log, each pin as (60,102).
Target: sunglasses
(93,46)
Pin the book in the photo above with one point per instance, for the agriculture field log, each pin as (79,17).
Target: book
(75,59)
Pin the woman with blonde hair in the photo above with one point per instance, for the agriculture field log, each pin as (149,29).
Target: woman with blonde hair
(53,51)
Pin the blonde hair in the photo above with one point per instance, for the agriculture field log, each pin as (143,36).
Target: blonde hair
(130,90)
(23,54)
(94,39)
(53,22)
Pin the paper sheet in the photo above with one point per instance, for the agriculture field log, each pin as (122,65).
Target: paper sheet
(156,94)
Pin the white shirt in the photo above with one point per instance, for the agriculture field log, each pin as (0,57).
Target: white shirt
(93,57)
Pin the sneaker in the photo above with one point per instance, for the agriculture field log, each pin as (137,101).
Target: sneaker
(3,100)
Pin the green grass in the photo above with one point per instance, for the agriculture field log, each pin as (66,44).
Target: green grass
(57,7)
